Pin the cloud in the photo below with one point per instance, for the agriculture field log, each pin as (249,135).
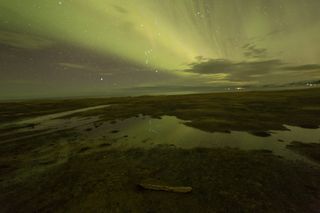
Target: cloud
(25,41)
(173,89)
(214,66)
(120,9)
(247,70)
(304,67)
(74,67)
(252,51)
(71,65)
(78,66)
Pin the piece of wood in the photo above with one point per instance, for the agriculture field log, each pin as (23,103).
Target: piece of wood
(155,187)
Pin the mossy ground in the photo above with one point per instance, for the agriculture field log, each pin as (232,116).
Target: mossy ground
(253,112)
(56,173)
(223,180)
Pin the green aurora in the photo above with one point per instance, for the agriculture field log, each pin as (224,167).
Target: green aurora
(52,47)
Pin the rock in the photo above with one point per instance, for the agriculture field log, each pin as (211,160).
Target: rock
(105,144)
(261,133)
(83,149)
(156,187)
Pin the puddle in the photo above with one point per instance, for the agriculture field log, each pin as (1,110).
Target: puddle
(146,132)
(57,115)
(49,123)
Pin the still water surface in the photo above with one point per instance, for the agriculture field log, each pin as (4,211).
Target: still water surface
(147,132)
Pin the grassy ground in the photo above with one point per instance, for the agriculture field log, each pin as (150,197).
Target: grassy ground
(57,172)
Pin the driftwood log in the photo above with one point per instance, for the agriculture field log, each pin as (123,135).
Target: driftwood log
(156,187)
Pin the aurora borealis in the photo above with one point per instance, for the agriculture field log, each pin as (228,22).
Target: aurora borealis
(74,47)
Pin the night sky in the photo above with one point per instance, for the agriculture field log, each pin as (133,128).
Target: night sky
(95,47)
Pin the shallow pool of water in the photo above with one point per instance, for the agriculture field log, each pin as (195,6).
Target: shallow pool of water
(148,132)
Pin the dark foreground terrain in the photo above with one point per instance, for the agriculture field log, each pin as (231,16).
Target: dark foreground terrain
(54,171)
(311,150)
